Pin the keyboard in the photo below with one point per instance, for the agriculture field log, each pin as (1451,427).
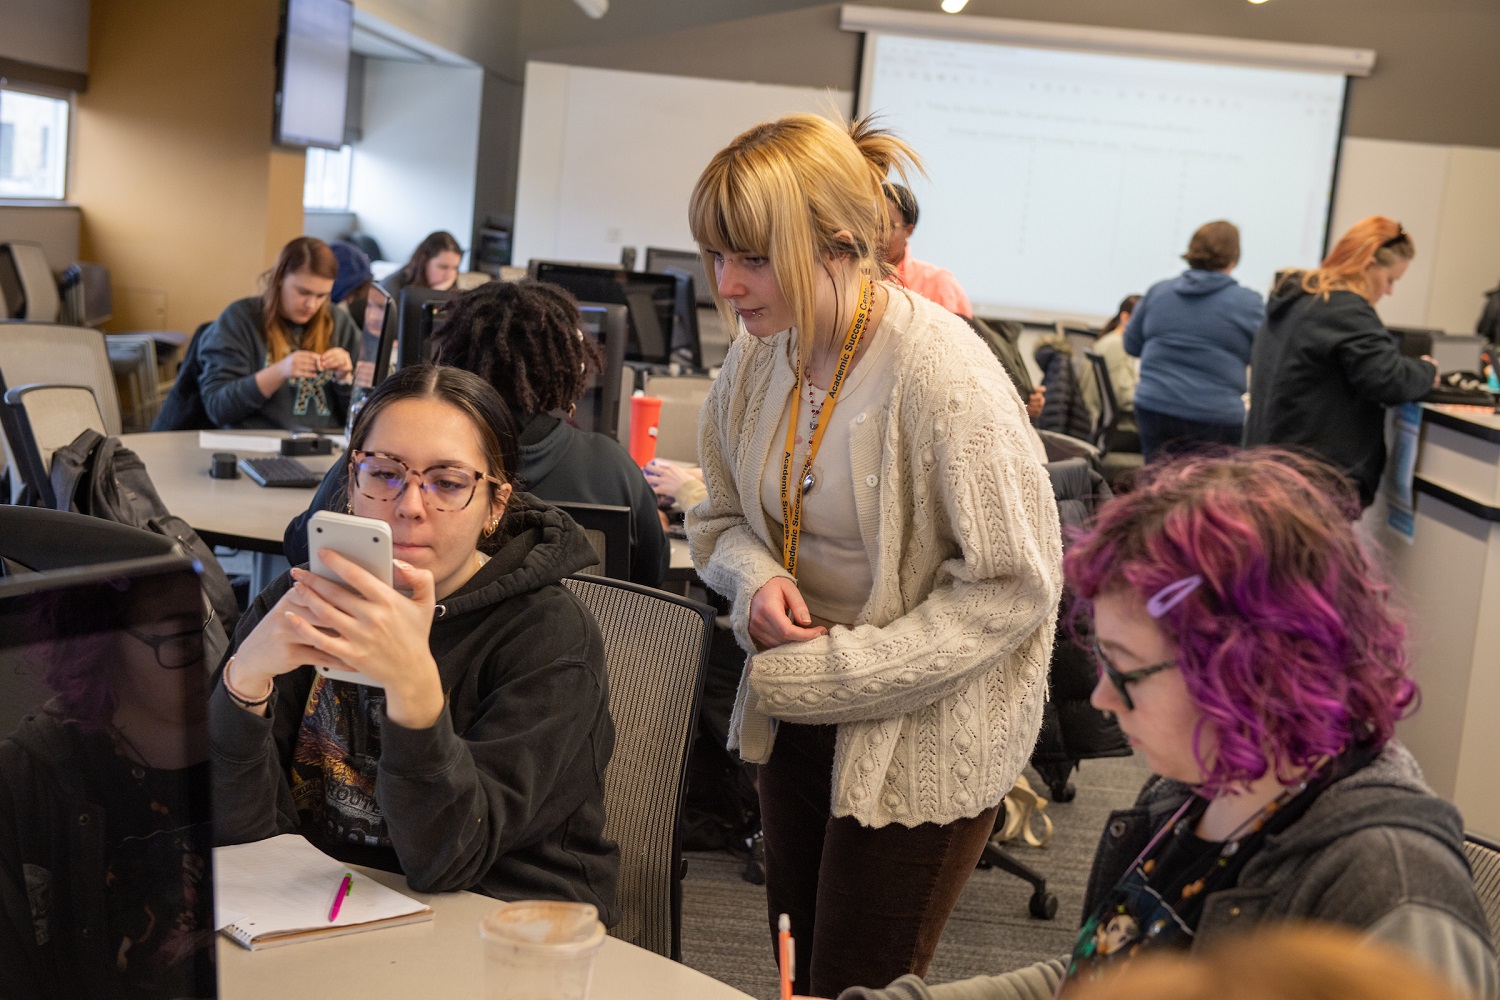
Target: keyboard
(279,471)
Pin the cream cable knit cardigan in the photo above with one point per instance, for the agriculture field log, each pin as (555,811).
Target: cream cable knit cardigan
(937,690)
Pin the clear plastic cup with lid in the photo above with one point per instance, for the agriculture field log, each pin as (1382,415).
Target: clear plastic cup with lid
(540,950)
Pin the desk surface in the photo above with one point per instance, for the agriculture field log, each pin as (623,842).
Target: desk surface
(237,512)
(233,512)
(442,957)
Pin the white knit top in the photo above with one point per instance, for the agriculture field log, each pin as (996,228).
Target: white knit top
(937,690)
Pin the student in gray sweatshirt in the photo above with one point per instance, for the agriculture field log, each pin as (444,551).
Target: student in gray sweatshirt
(283,358)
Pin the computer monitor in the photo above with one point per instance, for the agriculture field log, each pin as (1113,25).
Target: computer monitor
(377,336)
(599,409)
(423,313)
(686,346)
(660,261)
(1414,342)
(649,299)
(106,775)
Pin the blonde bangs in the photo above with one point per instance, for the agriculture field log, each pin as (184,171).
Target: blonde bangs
(787,190)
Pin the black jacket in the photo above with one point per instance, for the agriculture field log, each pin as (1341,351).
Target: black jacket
(1321,372)
(504,795)
(1065,410)
(55,841)
(559,463)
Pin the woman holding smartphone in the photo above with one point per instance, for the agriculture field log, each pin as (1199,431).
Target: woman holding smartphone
(479,761)
(894,564)
(282,358)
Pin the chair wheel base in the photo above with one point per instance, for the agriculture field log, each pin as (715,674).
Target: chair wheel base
(1043,905)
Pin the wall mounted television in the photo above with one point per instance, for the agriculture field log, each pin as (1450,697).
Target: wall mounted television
(312,72)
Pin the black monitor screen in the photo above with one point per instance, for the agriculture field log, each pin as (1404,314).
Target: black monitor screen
(599,409)
(313,94)
(648,299)
(374,342)
(105,819)
(659,261)
(423,313)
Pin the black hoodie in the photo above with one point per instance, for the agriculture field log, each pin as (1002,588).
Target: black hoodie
(1321,372)
(505,793)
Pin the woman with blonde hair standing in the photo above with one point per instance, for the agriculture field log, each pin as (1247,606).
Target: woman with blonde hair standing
(877,515)
(1324,366)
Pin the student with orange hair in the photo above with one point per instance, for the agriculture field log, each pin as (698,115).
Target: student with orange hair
(1324,366)
(281,358)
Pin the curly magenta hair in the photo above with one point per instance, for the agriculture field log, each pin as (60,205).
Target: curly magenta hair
(1290,647)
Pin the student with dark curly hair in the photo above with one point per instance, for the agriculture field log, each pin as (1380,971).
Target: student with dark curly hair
(524,339)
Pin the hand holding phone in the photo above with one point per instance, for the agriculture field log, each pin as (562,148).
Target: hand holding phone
(364,541)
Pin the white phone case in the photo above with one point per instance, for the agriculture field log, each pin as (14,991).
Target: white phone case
(364,541)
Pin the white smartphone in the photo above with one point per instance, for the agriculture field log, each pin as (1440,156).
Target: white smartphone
(364,541)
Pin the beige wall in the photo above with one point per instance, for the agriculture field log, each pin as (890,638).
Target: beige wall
(184,197)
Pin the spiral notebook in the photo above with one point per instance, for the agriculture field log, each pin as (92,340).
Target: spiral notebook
(279,891)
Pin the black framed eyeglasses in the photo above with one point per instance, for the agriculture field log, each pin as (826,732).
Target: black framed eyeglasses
(1121,678)
(177,650)
(384,478)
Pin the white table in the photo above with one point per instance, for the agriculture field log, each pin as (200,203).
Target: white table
(442,957)
(238,513)
(233,512)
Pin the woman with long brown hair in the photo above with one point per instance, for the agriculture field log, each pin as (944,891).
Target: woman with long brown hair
(1324,366)
(434,264)
(282,358)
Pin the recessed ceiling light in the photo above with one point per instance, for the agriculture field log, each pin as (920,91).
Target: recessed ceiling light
(953,6)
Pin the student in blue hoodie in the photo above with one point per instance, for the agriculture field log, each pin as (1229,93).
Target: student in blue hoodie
(1193,334)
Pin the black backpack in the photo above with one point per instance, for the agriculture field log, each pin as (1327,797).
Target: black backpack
(100,477)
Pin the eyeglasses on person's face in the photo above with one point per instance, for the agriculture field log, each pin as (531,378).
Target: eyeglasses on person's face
(1122,678)
(384,478)
(176,650)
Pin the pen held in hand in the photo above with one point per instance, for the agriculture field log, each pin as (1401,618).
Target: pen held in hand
(345,885)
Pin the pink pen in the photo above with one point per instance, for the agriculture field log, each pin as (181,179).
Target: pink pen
(338,900)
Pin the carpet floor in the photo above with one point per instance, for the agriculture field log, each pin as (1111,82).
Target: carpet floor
(725,933)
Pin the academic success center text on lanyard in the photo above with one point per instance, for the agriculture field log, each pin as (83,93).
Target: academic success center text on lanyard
(791,505)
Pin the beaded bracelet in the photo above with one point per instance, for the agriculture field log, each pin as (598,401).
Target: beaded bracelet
(239,699)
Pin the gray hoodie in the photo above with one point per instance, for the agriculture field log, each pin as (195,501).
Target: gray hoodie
(1377,851)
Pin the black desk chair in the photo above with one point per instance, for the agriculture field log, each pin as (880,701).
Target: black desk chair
(1116,463)
(1484,861)
(655,653)
(608,529)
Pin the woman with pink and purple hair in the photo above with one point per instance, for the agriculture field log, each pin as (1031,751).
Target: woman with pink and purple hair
(1247,645)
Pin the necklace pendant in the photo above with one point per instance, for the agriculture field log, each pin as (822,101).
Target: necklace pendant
(808,482)
(1231,849)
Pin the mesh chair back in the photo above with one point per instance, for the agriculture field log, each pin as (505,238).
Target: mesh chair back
(682,399)
(40,419)
(608,531)
(60,355)
(1484,862)
(656,650)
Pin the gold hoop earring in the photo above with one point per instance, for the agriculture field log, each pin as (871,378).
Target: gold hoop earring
(490,528)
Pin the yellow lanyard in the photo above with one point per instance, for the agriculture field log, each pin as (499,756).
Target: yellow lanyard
(791,493)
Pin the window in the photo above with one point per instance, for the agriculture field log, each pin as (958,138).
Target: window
(326,184)
(33,145)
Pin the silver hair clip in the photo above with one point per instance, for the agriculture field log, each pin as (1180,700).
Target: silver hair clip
(1171,595)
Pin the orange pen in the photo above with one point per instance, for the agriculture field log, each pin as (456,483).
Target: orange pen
(788,949)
